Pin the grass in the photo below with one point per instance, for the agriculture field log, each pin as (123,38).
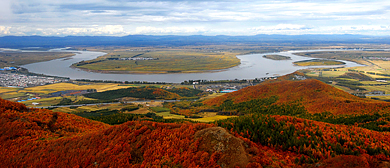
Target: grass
(140,111)
(66,110)
(317,62)
(22,58)
(160,109)
(212,119)
(277,57)
(380,97)
(214,95)
(327,73)
(8,89)
(43,102)
(168,115)
(168,61)
(372,82)
(385,88)
(10,95)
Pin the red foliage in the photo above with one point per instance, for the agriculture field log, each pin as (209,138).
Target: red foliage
(41,138)
(314,95)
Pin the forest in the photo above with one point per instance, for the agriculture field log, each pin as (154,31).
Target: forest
(280,123)
(147,92)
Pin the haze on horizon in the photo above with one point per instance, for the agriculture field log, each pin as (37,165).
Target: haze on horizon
(193,17)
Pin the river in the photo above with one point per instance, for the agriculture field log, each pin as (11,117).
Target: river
(252,66)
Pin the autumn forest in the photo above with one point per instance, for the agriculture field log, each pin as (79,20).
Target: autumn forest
(279,123)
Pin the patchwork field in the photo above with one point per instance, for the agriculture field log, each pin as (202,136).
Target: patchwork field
(100,87)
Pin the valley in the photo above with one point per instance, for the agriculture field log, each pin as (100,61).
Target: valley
(325,116)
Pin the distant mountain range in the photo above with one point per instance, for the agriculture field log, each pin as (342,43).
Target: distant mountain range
(170,40)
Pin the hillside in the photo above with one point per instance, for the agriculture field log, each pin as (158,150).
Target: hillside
(146,93)
(275,130)
(41,138)
(314,95)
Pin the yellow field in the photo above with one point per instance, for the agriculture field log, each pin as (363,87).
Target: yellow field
(327,73)
(43,102)
(212,119)
(9,95)
(379,88)
(89,108)
(214,95)
(371,82)
(46,89)
(8,89)
(380,97)
(65,110)
(168,115)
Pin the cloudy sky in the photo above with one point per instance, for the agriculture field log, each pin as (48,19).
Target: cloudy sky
(193,17)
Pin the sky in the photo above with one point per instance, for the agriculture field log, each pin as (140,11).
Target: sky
(193,17)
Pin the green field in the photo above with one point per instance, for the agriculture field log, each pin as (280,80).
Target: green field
(172,61)
(168,115)
(160,109)
(277,57)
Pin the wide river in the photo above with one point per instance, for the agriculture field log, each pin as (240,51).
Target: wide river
(252,66)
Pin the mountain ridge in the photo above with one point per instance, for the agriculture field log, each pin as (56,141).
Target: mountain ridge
(176,40)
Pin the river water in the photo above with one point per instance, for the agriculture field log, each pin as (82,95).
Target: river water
(252,66)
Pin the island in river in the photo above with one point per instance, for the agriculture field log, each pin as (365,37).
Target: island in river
(160,61)
(277,57)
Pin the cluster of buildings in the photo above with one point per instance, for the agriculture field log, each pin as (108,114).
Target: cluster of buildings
(8,69)
(19,80)
(221,88)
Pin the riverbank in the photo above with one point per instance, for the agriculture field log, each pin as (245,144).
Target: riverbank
(251,66)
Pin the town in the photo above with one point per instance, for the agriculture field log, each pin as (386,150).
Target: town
(20,80)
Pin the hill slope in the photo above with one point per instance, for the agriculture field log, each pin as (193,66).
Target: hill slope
(41,138)
(314,95)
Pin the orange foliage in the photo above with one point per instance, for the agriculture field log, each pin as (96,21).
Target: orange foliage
(41,138)
(315,96)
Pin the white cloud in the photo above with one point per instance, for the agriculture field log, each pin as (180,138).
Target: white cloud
(232,17)
(280,29)
(111,30)
(169,30)
(115,30)
(4,30)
